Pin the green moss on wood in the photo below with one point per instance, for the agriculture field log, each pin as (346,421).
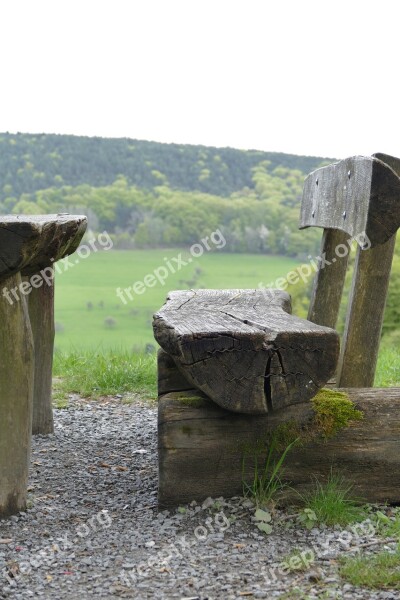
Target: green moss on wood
(333,411)
(193,401)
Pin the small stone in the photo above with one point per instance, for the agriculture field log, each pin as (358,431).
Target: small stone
(208,503)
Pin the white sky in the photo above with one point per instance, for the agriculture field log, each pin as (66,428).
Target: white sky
(305,76)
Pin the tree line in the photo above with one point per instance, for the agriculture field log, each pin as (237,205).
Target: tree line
(262,218)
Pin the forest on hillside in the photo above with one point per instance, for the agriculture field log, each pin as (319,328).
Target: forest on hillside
(32,162)
(149,195)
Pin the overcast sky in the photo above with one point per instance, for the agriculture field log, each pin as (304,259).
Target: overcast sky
(304,77)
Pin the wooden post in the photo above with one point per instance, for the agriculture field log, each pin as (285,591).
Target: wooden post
(16,397)
(360,345)
(329,280)
(41,313)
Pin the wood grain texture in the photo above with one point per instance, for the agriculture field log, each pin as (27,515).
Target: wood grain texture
(16,397)
(201,448)
(329,280)
(32,243)
(356,195)
(366,307)
(41,314)
(244,349)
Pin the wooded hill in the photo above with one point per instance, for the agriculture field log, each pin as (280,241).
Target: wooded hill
(149,195)
(32,162)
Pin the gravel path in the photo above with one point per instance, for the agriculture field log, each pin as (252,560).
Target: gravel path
(93,530)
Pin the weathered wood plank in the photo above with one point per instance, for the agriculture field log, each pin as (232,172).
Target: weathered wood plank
(366,307)
(16,396)
(201,447)
(244,349)
(32,243)
(329,280)
(356,195)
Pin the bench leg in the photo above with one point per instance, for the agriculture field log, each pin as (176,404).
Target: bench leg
(329,281)
(361,338)
(16,398)
(41,313)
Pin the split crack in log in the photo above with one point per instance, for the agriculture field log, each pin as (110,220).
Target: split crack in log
(252,359)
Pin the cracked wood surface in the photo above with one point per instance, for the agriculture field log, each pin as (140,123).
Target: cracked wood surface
(30,243)
(357,195)
(202,448)
(244,349)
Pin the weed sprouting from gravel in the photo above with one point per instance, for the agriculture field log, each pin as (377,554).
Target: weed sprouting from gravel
(266,482)
(333,502)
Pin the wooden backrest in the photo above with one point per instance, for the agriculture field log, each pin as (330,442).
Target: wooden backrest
(357,198)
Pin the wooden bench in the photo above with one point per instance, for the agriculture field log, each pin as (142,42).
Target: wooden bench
(205,379)
(29,247)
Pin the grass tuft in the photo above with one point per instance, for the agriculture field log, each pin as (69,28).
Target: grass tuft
(333,503)
(266,482)
(105,372)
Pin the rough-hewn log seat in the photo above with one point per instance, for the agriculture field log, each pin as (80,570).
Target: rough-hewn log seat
(244,349)
(28,244)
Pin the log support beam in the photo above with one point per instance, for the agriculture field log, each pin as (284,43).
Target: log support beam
(204,450)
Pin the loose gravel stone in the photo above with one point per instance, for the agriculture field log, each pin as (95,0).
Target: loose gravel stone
(92,528)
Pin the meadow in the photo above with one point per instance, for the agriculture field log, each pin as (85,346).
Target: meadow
(89,314)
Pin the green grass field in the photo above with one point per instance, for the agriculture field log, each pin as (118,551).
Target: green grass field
(86,293)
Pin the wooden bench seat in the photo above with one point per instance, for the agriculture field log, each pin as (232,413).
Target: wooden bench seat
(244,349)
